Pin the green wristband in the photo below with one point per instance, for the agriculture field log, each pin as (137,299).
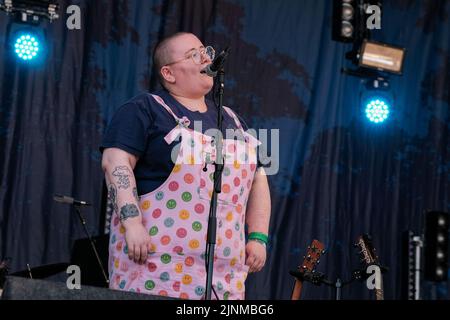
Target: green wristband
(258,236)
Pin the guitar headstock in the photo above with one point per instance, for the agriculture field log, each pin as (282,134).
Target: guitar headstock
(368,258)
(367,251)
(312,257)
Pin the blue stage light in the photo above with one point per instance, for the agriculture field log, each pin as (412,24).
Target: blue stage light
(27,47)
(377,110)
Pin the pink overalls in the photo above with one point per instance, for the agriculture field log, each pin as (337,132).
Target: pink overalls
(176,216)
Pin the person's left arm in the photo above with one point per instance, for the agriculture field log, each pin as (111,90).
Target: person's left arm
(258,219)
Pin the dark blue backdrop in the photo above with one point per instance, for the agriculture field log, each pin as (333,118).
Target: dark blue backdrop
(338,177)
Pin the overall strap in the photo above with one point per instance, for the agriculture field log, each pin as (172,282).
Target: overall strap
(234,116)
(248,137)
(183,122)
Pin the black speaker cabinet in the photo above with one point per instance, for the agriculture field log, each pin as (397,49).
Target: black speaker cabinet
(16,288)
(83,256)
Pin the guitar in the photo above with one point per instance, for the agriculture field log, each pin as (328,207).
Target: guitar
(369,257)
(310,261)
(3,273)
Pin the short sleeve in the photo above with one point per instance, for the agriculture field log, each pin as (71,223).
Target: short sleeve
(128,129)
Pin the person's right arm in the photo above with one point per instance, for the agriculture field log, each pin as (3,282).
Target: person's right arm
(118,166)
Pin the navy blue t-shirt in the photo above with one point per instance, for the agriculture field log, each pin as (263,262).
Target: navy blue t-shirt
(139,127)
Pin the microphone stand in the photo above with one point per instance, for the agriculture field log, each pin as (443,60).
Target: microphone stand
(83,223)
(217,181)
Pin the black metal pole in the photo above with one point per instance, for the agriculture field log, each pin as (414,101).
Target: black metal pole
(217,180)
(338,286)
(83,223)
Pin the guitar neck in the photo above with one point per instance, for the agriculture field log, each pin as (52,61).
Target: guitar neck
(379,293)
(297,291)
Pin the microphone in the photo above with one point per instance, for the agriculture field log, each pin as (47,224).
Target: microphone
(70,200)
(212,69)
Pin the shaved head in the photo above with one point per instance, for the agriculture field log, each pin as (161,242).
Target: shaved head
(162,54)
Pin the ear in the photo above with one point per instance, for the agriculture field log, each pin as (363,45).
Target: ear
(167,74)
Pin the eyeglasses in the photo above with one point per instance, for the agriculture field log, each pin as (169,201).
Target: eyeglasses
(197,54)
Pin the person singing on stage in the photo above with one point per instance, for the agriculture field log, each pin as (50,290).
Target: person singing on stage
(159,170)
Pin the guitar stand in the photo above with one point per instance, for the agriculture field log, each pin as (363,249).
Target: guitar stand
(339,284)
(357,275)
(318,278)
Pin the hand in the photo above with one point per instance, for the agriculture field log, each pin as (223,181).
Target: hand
(138,240)
(255,256)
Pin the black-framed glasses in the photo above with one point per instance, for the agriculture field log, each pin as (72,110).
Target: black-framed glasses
(196,55)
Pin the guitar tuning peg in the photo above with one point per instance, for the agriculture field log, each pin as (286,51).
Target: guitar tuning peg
(304,267)
(318,261)
(324,251)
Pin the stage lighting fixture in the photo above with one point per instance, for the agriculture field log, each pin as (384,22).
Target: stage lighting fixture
(381,57)
(436,246)
(31,10)
(412,247)
(377,100)
(27,47)
(344,14)
(25,36)
(27,44)
(377,110)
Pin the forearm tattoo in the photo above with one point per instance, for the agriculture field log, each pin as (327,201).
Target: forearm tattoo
(135,194)
(122,174)
(128,211)
(111,205)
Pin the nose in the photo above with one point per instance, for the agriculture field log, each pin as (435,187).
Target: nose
(205,57)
